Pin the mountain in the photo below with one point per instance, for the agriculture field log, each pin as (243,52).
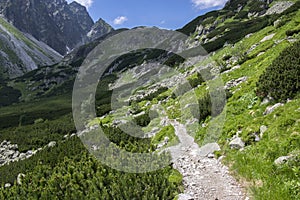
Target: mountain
(21,53)
(61,25)
(238,104)
(99,29)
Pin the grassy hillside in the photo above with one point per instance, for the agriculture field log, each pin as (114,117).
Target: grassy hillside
(261,51)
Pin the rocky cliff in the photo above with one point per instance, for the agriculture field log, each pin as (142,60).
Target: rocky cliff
(61,25)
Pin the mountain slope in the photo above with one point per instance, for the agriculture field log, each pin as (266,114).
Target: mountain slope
(61,25)
(21,53)
(259,138)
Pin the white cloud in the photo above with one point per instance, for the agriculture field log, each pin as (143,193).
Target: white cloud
(86,3)
(204,4)
(120,20)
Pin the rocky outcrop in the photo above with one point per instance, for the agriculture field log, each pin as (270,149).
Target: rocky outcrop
(10,152)
(236,82)
(99,29)
(279,7)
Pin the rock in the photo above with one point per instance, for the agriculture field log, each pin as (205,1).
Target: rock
(16,154)
(3,143)
(237,143)
(117,122)
(52,144)
(269,37)
(22,156)
(209,149)
(19,178)
(267,100)
(7,185)
(211,155)
(234,83)
(9,153)
(185,197)
(249,35)
(2,150)
(277,23)
(2,161)
(262,130)
(164,143)
(73,135)
(283,159)
(271,109)
(166,140)
(279,7)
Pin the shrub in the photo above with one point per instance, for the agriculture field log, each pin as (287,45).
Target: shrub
(281,78)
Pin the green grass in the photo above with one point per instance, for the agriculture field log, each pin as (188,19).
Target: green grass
(244,112)
(167,131)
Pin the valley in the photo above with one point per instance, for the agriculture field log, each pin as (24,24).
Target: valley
(219,121)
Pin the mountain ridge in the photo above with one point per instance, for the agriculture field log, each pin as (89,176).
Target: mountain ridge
(61,25)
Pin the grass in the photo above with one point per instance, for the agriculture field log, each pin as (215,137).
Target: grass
(167,131)
(245,113)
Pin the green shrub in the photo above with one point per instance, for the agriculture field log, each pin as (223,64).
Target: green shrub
(281,78)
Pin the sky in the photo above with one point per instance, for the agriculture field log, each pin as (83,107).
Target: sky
(169,14)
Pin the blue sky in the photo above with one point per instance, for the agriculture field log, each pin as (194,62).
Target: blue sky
(170,14)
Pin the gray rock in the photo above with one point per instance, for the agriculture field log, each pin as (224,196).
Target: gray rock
(283,159)
(22,156)
(2,161)
(269,37)
(16,154)
(3,143)
(166,140)
(52,144)
(234,83)
(185,197)
(262,130)
(209,149)
(237,143)
(279,7)
(271,109)
(266,100)
(9,153)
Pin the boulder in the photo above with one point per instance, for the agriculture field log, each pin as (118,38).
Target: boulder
(262,130)
(237,143)
(269,37)
(281,160)
(208,149)
(271,109)
(52,144)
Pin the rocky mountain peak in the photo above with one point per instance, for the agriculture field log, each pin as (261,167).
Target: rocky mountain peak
(61,25)
(99,29)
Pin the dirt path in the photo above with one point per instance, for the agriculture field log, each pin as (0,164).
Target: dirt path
(203,178)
